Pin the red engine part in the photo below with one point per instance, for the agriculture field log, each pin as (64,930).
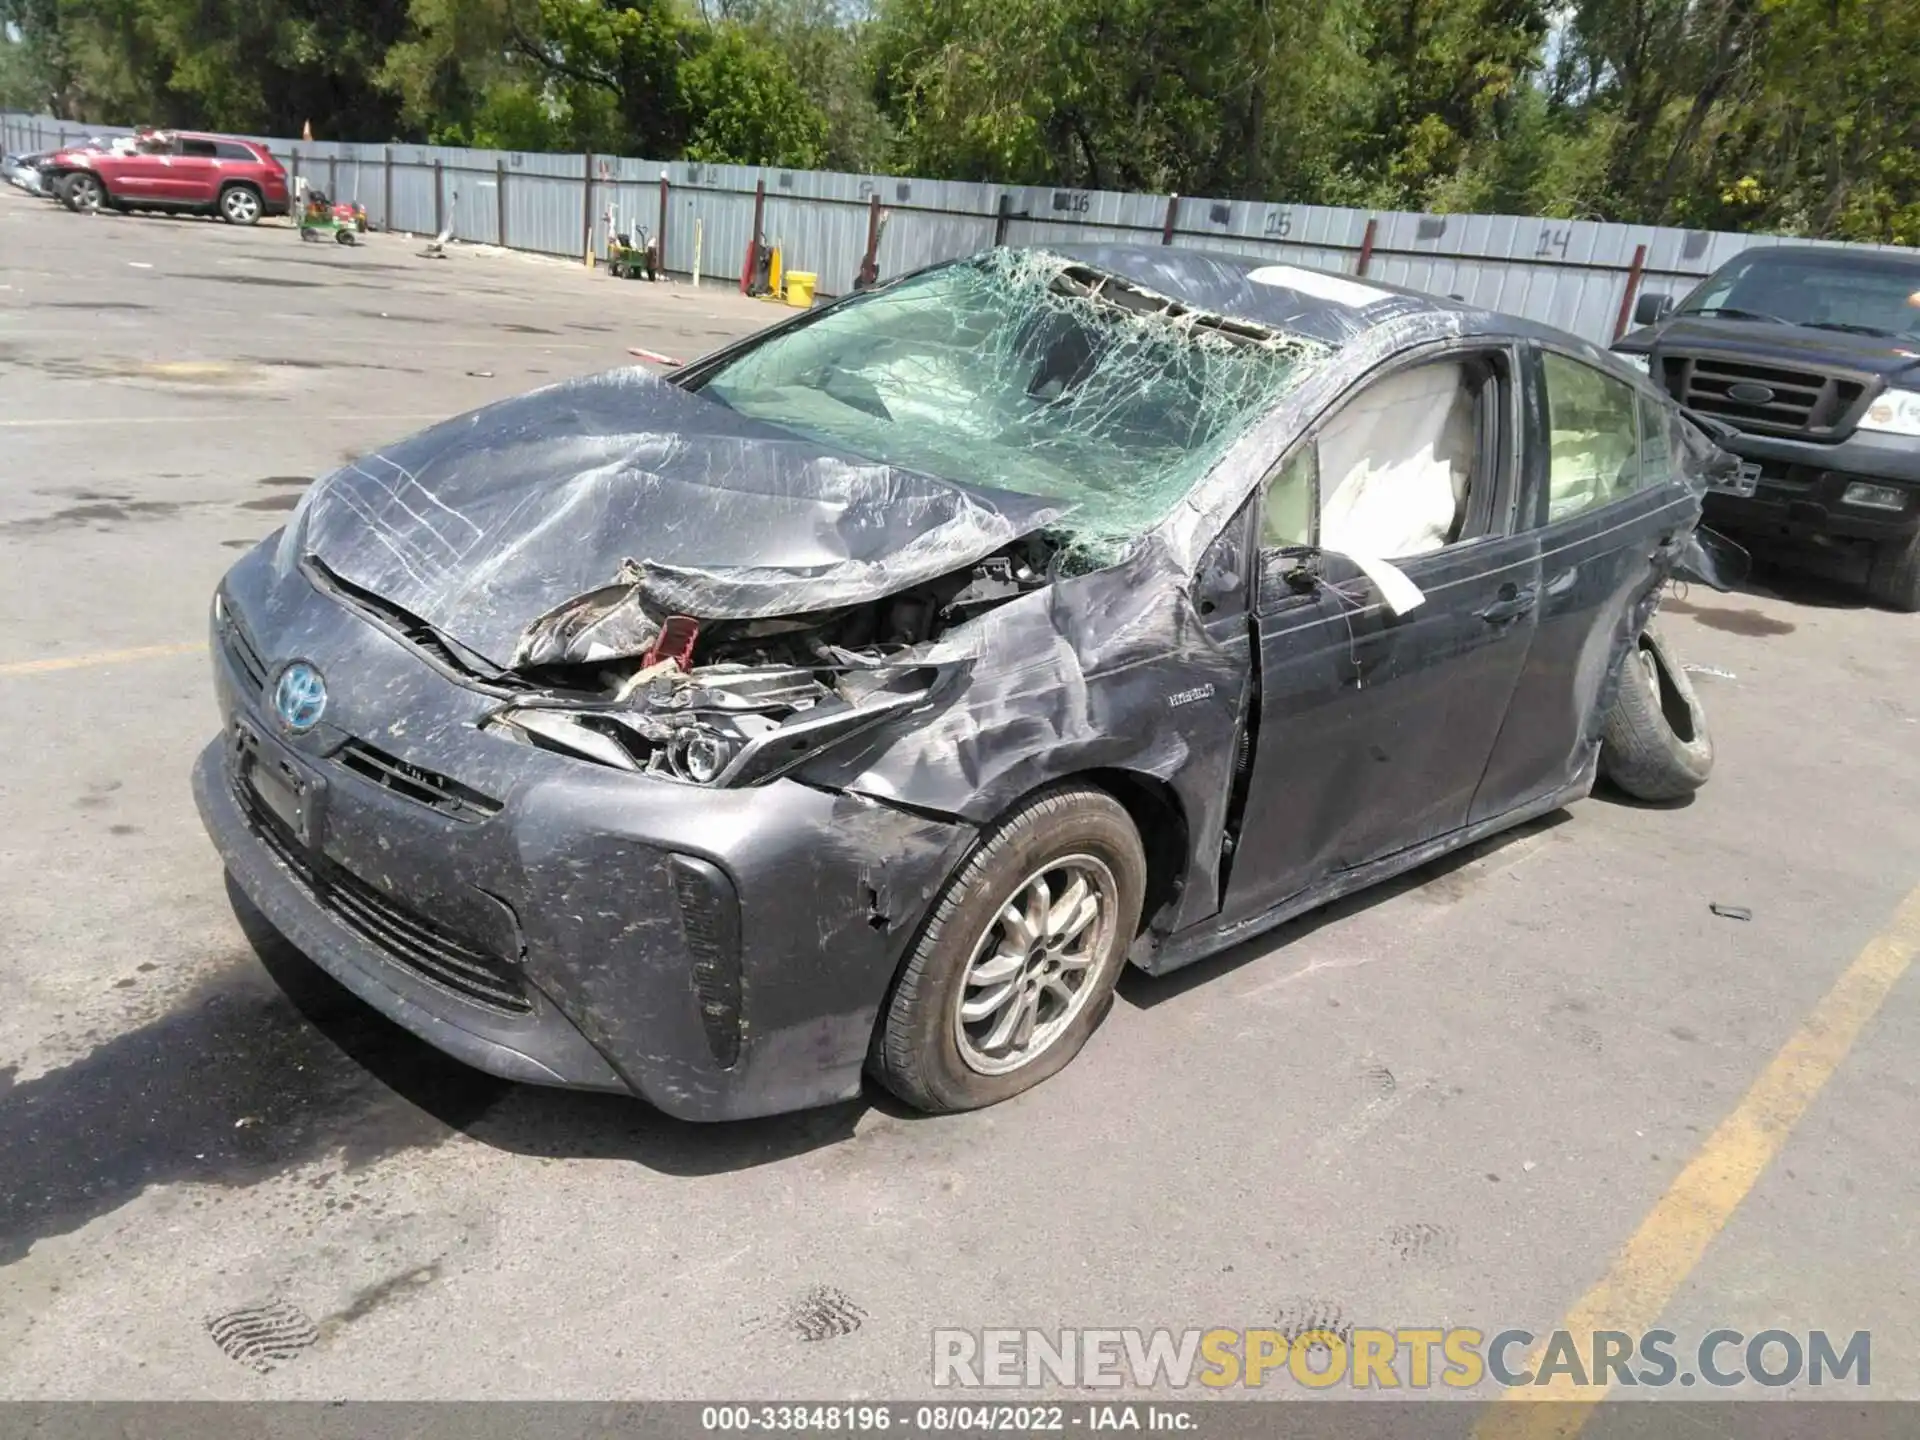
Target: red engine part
(675,641)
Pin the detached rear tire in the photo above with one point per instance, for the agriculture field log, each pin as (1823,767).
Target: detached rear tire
(1017,963)
(1893,576)
(1655,745)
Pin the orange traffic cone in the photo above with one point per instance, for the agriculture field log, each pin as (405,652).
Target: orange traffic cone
(306,131)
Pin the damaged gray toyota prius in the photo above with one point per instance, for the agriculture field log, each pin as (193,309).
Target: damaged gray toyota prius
(861,698)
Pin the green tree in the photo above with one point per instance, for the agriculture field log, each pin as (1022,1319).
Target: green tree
(748,107)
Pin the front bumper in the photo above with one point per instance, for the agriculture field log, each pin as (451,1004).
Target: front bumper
(571,903)
(1802,485)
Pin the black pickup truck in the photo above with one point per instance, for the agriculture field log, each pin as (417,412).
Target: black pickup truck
(1806,362)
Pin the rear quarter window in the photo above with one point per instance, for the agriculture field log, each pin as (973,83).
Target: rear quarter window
(231,150)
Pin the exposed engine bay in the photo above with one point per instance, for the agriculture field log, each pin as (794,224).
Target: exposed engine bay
(735,702)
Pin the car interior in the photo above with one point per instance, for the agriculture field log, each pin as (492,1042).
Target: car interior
(1396,467)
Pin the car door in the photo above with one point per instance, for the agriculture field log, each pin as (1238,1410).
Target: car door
(141,173)
(196,173)
(1610,511)
(1370,730)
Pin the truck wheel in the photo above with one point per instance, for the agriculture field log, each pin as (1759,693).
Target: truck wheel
(239,205)
(1655,745)
(1017,963)
(82,191)
(1893,576)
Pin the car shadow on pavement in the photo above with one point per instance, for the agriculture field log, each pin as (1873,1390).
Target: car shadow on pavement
(528,1119)
(1817,581)
(1449,876)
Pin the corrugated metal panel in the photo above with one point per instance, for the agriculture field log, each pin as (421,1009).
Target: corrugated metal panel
(1570,273)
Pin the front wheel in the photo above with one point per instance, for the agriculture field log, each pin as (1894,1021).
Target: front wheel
(82,192)
(1017,963)
(1655,745)
(239,205)
(1893,575)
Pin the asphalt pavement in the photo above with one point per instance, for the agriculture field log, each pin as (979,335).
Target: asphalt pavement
(1465,1100)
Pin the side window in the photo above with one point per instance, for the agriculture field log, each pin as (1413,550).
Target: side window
(1595,455)
(1656,443)
(1408,465)
(231,150)
(1286,514)
(201,148)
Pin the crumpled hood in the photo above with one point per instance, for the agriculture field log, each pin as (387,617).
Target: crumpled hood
(485,523)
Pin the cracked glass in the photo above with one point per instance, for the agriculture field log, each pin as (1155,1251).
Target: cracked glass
(1025,371)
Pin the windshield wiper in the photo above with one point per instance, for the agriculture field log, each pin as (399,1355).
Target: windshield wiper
(1730,312)
(1852,329)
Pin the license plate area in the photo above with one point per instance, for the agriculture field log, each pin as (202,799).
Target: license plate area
(1743,482)
(285,789)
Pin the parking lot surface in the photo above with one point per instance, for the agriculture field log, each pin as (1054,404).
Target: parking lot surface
(1456,1101)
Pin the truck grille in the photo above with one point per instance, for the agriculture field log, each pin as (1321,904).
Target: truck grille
(413,782)
(1794,402)
(406,937)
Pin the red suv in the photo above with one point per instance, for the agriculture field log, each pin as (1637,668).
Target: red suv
(238,180)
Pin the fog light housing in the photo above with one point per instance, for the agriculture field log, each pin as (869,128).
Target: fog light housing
(1874,497)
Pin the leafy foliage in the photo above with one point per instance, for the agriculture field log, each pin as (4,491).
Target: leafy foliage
(1795,115)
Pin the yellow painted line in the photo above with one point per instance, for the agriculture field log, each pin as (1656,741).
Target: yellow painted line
(1696,1207)
(102,657)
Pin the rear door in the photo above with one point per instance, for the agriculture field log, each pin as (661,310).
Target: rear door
(1605,500)
(1372,730)
(196,173)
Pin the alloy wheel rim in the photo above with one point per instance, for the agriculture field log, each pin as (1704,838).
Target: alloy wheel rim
(1033,967)
(240,204)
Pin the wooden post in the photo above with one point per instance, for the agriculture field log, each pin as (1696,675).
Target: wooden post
(1633,289)
(1003,218)
(1366,245)
(752,266)
(660,234)
(500,202)
(386,189)
(1173,219)
(439,201)
(586,209)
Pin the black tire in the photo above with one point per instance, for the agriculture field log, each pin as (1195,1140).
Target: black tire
(1655,745)
(241,205)
(917,1048)
(1893,576)
(82,192)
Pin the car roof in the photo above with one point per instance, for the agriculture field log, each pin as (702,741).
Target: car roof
(1272,292)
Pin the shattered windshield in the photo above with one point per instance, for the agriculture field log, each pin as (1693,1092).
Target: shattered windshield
(1024,371)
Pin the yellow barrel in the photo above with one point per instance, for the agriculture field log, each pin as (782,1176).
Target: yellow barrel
(800,288)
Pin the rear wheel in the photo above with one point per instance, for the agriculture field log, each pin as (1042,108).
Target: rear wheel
(82,191)
(1016,966)
(1893,576)
(1655,745)
(239,205)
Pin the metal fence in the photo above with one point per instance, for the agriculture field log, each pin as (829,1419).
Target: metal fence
(1580,275)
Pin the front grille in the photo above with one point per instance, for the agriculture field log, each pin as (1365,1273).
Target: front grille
(408,938)
(243,652)
(1804,402)
(423,787)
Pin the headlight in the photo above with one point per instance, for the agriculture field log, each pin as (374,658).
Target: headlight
(1640,362)
(1896,412)
(700,754)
